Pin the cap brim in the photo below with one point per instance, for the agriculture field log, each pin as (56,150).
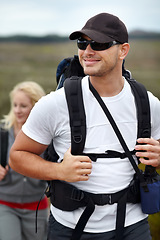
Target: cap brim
(94,35)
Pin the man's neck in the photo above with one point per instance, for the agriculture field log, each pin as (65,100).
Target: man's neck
(107,87)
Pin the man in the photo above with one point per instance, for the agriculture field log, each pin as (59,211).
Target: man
(103,44)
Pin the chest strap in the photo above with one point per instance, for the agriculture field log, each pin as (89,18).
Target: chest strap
(107,154)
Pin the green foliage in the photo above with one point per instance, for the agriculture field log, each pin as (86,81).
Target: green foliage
(38,62)
(143,61)
(34,39)
(30,62)
(154,222)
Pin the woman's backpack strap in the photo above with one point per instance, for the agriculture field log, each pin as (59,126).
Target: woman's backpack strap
(3,146)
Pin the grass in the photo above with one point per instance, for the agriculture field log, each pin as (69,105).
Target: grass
(144,61)
(29,62)
(38,62)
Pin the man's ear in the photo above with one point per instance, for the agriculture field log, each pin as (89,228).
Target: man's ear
(124,49)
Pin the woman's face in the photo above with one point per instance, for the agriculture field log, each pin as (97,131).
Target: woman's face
(22,106)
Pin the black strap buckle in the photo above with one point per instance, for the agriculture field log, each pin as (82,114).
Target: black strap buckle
(102,199)
(77,195)
(106,199)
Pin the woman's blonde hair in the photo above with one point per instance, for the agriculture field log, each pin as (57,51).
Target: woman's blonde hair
(32,89)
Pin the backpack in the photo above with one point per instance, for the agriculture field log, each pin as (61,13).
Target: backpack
(3,146)
(64,195)
(68,67)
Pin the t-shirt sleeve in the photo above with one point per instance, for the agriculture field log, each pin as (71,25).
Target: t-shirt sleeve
(38,126)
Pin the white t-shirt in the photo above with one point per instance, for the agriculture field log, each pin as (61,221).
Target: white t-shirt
(49,119)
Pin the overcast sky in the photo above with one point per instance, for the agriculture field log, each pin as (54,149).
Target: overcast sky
(41,17)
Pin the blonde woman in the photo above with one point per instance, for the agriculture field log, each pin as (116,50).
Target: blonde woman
(19,195)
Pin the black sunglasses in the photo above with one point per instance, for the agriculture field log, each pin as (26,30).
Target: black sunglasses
(83,43)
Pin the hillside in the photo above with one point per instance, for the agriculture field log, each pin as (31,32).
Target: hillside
(54,38)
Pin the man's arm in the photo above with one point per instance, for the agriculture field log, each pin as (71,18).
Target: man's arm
(151,150)
(25,159)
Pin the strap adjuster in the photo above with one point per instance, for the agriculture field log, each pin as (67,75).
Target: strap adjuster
(105,199)
(77,195)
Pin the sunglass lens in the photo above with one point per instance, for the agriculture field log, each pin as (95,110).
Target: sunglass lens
(82,44)
(100,46)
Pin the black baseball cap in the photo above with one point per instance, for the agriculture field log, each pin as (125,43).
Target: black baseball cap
(103,28)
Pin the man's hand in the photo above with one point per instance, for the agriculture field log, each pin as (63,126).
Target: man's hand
(151,148)
(25,159)
(74,168)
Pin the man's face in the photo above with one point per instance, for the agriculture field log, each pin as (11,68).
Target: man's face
(98,63)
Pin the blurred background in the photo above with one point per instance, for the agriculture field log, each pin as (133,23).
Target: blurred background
(34,39)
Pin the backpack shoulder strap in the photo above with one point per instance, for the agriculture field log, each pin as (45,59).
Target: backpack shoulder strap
(3,146)
(143,108)
(74,97)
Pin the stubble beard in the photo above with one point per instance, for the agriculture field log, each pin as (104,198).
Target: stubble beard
(101,72)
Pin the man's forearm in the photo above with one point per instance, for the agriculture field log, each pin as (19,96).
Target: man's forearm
(32,165)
